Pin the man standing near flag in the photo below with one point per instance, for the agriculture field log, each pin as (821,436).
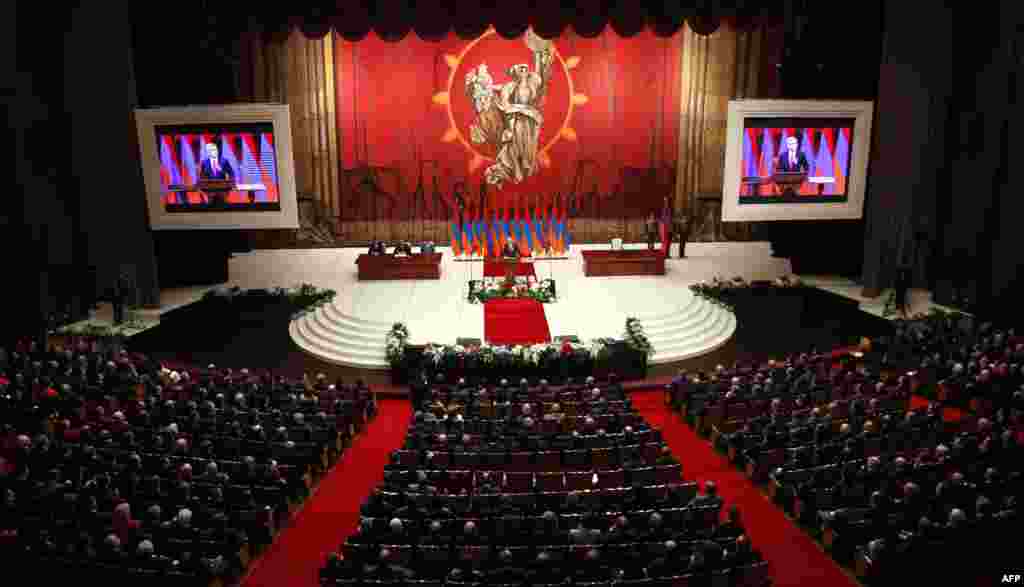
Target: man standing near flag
(665,227)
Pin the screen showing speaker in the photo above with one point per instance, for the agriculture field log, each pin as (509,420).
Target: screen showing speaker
(218,167)
(795,160)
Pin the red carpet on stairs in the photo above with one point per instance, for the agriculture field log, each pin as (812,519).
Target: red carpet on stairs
(515,321)
(497,269)
(332,513)
(793,557)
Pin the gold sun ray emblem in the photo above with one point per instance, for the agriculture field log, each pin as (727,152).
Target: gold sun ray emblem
(503,137)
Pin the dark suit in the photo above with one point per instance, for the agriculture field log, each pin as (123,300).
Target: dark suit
(225,171)
(783,164)
(510,250)
(667,566)
(507,575)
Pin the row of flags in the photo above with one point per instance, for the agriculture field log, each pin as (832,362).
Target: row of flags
(830,158)
(251,155)
(536,232)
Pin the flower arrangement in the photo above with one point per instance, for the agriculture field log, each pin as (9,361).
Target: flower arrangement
(304,297)
(483,290)
(514,355)
(91,330)
(635,337)
(788,281)
(546,360)
(307,296)
(718,290)
(396,340)
(598,348)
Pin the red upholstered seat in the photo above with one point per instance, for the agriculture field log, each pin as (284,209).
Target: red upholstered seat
(669,473)
(611,479)
(579,480)
(550,481)
(518,481)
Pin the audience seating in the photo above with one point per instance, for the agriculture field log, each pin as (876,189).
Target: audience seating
(884,487)
(116,468)
(503,485)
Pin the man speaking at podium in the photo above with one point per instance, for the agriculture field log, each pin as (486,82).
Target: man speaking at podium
(791,160)
(510,250)
(215,167)
(510,253)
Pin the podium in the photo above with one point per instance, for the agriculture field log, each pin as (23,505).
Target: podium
(216,190)
(511,264)
(788,183)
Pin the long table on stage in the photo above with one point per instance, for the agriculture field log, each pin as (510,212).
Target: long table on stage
(627,262)
(376,267)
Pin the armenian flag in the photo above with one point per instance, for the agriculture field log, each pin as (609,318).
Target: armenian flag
(467,235)
(456,240)
(489,231)
(538,232)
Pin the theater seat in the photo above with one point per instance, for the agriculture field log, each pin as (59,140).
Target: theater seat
(550,481)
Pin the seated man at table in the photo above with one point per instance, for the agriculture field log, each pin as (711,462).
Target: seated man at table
(511,249)
(377,248)
(403,249)
(427,248)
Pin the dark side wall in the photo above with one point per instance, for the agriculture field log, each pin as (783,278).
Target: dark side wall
(944,172)
(99,97)
(907,169)
(41,227)
(76,215)
(982,245)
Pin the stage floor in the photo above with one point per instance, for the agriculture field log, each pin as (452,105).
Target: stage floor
(351,331)
(919,301)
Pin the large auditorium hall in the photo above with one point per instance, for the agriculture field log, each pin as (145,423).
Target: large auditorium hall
(438,293)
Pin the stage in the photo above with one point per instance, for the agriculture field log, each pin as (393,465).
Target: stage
(351,331)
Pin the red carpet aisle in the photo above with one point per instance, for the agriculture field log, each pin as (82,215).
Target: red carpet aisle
(949,413)
(497,269)
(332,513)
(515,321)
(793,557)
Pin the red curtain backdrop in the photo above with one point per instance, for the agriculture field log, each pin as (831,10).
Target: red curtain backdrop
(610,125)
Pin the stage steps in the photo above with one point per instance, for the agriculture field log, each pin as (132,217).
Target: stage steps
(695,328)
(335,337)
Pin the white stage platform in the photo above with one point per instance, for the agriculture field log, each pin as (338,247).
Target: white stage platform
(351,331)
